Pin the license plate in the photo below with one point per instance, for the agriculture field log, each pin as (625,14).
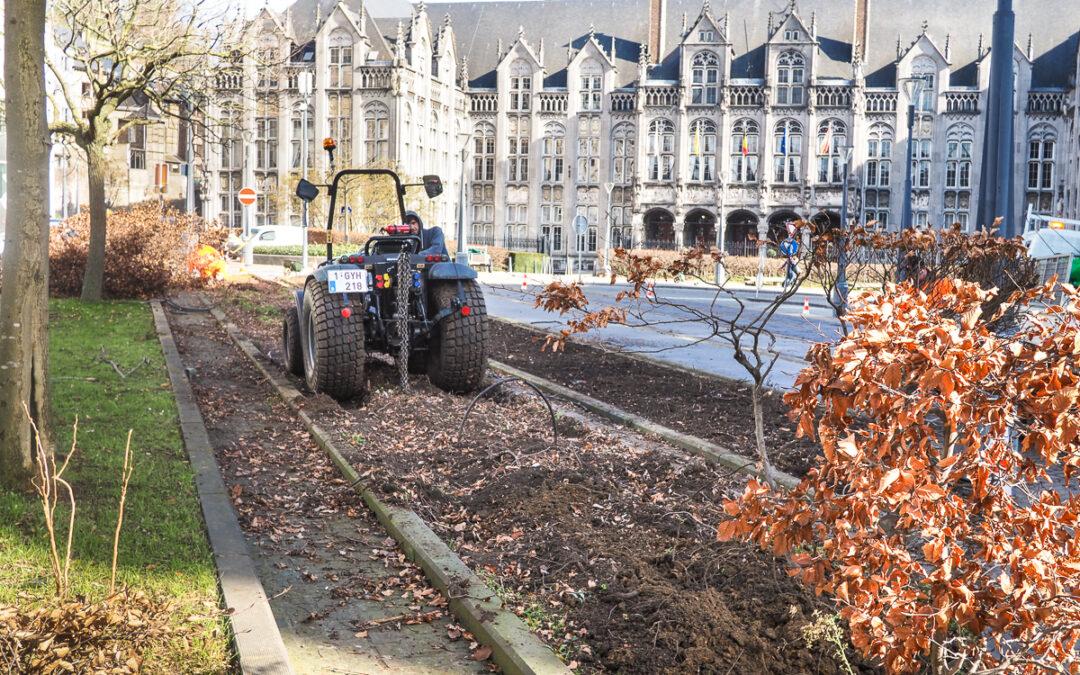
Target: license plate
(347,281)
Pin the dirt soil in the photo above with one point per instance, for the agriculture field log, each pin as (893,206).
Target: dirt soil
(345,598)
(707,407)
(605,545)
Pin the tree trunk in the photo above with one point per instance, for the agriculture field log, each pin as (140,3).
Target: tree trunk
(94,275)
(767,470)
(24,290)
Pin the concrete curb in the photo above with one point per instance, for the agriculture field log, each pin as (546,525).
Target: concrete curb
(692,444)
(259,646)
(514,647)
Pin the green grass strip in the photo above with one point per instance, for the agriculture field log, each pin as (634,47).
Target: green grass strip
(163,548)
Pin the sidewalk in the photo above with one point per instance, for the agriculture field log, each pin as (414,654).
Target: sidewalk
(815,296)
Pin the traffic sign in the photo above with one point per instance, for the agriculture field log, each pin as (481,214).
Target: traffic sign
(581,224)
(246,196)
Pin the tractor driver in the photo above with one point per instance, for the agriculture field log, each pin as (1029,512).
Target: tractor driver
(434,242)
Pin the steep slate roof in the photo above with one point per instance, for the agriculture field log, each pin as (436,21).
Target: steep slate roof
(565,23)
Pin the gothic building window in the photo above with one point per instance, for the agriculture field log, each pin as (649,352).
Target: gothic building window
(297,120)
(591,86)
(433,143)
(266,201)
(791,79)
(232,152)
(879,156)
(340,125)
(787,151)
(517,161)
(661,149)
(520,86)
(484,152)
(832,135)
(136,140)
(705,79)
(920,163)
(266,132)
(745,137)
(377,132)
(621,214)
(551,218)
(588,155)
(553,150)
(268,68)
(958,174)
(1042,143)
(483,215)
(702,151)
(923,67)
(340,62)
(587,207)
(623,153)
(876,207)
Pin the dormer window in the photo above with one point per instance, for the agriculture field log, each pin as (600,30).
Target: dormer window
(790,78)
(705,76)
(792,35)
(591,86)
(707,36)
(520,86)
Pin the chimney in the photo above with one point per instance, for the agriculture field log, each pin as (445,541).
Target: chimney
(657,17)
(862,30)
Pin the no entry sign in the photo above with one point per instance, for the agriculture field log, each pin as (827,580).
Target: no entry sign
(246,196)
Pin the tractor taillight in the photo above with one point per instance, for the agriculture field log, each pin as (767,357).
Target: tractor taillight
(466,310)
(346,312)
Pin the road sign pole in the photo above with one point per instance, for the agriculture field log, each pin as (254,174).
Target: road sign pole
(247,197)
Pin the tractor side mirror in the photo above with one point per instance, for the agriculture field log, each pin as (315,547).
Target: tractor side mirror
(433,186)
(306,191)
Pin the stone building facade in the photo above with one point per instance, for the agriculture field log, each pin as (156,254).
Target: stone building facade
(663,122)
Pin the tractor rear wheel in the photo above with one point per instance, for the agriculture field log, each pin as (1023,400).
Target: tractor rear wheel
(457,355)
(334,350)
(290,338)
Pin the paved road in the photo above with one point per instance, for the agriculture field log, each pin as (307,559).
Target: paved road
(675,339)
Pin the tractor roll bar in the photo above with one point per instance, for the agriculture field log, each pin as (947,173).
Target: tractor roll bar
(333,199)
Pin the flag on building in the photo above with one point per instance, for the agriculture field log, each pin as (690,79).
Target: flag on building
(826,144)
(783,142)
(745,145)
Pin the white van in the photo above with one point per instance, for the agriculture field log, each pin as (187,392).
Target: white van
(278,235)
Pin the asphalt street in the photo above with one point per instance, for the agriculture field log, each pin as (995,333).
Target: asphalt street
(673,335)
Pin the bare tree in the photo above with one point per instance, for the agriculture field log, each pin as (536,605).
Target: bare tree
(150,53)
(745,330)
(23,295)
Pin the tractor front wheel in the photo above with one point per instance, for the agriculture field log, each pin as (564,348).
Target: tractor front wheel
(334,350)
(457,356)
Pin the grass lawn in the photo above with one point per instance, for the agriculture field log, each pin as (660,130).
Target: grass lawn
(163,548)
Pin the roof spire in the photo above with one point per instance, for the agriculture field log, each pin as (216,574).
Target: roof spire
(898,46)
(464,71)
(813,25)
(948,47)
(612,47)
(421,8)
(925,26)
(541,54)
(318,16)
(499,50)
(592,31)
(705,7)
(399,43)
(521,32)
(1030,51)
(980,48)
(685,25)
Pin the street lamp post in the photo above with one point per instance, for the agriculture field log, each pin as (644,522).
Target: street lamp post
(846,152)
(913,87)
(462,256)
(608,188)
(304,87)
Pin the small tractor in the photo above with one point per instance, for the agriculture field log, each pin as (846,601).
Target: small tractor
(393,297)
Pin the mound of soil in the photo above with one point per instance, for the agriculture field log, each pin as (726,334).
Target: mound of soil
(707,407)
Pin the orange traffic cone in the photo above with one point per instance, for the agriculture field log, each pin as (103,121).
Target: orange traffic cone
(806,307)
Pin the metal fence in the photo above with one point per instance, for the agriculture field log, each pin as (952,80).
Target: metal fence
(659,244)
(524,245)
(482,240)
